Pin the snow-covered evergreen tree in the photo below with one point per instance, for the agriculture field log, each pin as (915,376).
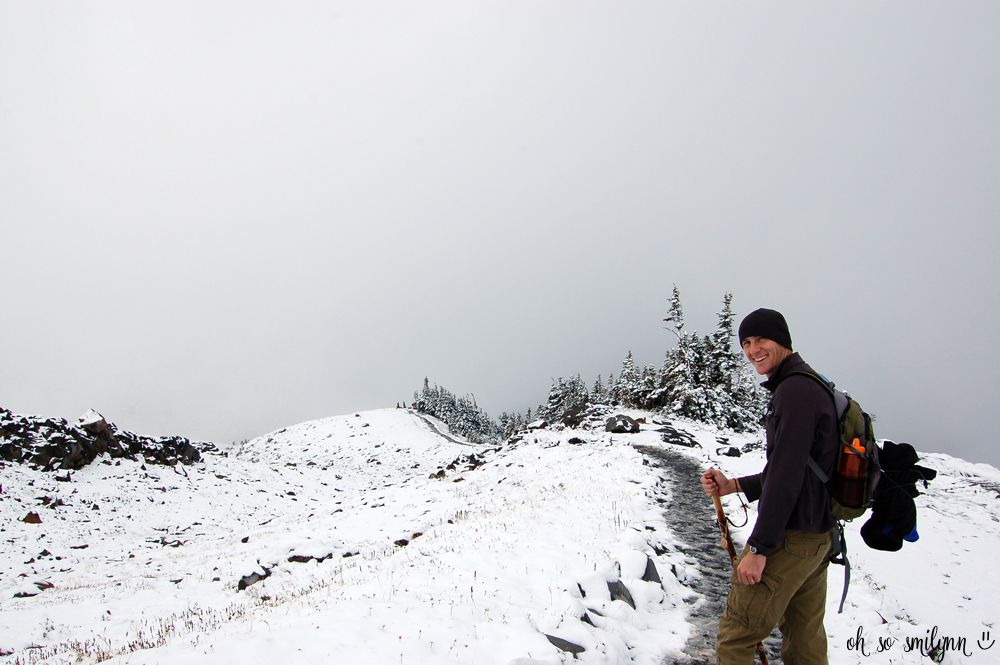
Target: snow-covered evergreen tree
(681,373)
(599,393)
(627,388)
(566,397)
(462,415)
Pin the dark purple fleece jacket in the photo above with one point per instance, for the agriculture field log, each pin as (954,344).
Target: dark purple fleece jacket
(801,421)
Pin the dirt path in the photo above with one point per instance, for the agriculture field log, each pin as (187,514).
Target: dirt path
(691,517)
(434,428)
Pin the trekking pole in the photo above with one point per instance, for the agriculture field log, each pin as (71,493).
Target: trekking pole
(727,544)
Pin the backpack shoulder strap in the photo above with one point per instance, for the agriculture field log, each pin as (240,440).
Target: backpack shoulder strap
(840,401)
(840,404)
(823,478)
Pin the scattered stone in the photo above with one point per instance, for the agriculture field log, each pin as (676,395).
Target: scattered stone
(651,574)
(670,434)
(575,440)
(245,539)
(565,645)
(306,558)
(253,578)
(586,619)
(620,592)
(728,451)
(32,518)
(79,547)
(402,542)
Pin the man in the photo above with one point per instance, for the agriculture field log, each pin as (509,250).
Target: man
(781,577)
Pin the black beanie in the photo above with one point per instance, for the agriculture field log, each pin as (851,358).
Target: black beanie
(766,323)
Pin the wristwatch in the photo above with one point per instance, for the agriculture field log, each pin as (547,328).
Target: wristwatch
(753,550)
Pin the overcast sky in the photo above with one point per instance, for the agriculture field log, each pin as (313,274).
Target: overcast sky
(221,218)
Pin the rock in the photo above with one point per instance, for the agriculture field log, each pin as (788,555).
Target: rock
(651,574)
(565,645)
(92,422)
(670,434)
(574,417)
(253,578)
(537,424)
(402,542)
(750,447)
(620,592)
(32,518)
(306,558)
(728,451)
(621,424)
(575,440)
(52,444)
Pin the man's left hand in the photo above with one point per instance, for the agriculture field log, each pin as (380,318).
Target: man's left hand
(751,568)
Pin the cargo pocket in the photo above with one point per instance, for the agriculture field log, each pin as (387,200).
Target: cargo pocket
(751,605)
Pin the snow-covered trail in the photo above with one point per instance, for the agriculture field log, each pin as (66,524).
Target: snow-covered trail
(691,518)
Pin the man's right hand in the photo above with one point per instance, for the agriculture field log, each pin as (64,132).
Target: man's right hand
(715,483)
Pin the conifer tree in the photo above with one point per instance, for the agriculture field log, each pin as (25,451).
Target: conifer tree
(599,393)
(627,387)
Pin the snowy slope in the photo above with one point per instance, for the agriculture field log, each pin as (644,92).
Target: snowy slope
(368,559)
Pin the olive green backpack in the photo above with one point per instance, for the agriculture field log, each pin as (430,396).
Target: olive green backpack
(850,498)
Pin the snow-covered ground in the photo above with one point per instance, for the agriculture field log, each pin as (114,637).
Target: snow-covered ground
(369,560)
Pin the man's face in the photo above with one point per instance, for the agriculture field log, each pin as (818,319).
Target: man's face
(764,354)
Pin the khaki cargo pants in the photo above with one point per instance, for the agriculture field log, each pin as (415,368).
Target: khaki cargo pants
(791,595)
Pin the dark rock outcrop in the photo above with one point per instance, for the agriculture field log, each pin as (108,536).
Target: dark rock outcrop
(55,443)
(651,574)
(621,424)
(672,435)
(565,645)
(253,578)
(620,592)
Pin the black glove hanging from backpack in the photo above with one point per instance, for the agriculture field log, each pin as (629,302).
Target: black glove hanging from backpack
(894,515)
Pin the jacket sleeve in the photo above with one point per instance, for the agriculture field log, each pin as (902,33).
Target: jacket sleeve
(796,417)
(751,486)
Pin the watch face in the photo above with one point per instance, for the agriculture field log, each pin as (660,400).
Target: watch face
(753,550)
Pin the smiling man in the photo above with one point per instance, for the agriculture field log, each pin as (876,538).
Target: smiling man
(781,577)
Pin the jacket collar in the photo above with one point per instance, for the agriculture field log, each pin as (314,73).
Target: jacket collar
(792,363)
